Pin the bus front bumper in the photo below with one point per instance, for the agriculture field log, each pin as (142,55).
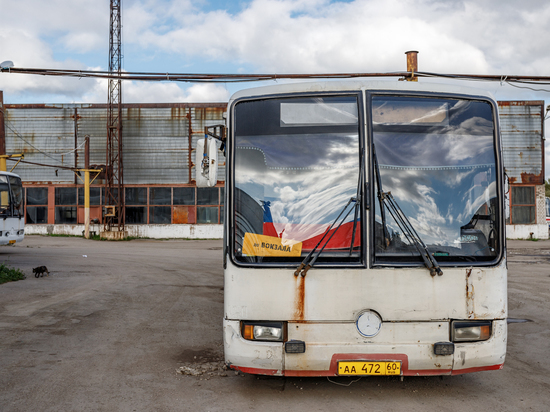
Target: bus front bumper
(409,343)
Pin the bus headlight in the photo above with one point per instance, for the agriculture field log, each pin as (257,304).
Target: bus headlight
(470,331)
(266,331)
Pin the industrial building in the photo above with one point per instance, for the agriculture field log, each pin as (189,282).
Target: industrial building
(161,198)
(522,132)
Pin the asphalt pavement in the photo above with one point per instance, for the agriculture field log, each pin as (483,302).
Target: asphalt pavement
(137,326)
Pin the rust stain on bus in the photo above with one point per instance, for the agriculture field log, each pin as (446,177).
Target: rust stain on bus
(469,295)
(300,297)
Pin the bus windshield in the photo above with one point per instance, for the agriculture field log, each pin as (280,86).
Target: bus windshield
(437,158)
(296,167)
(17,195)
(4,196)
(11,196)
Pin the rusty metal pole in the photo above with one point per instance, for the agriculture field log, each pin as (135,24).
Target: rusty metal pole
(412,65)
(87,188)
(2,134)
(190,145)
(75,142)
(114,184)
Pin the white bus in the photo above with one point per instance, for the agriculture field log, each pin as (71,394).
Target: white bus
(12,220)
(364,230)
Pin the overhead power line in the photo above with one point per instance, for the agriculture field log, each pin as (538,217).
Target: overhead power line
(229,78)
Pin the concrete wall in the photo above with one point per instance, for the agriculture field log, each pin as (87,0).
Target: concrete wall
(146,231)
(527,231)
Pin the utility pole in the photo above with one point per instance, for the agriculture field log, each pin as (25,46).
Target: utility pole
(114,216)
(2,134)
(87,183)
(3,155)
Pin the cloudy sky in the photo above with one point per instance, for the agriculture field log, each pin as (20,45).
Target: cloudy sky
(268,36)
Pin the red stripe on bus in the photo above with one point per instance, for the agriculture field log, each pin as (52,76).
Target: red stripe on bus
(255,371)
(333,371)
(478,369)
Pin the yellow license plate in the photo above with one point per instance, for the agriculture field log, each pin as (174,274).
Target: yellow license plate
(369,368)
(12,242)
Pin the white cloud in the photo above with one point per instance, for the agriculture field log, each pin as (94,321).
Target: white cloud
(207,93)
(156,92)
(317,36)
(360,36)
(62,22)
(288,35)
(277,36)
(34,32)
(29,51)
(133,92)
(302,35)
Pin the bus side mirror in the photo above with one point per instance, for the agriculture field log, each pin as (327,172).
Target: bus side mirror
(206,162)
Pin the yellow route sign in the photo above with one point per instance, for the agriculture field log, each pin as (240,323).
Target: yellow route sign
(260,245)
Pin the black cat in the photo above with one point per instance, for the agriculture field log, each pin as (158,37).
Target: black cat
(40,270)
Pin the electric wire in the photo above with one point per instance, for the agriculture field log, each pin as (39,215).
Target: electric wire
(512,80)
(30,144)
(71,151)
(44,165)
(16,133)
(529,88)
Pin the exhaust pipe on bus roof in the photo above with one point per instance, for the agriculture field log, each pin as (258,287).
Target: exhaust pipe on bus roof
(412,65)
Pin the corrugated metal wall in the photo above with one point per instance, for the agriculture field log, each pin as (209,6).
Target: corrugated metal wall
(521,124)
(159,139)
(156,145)
(44,134)
(92,121)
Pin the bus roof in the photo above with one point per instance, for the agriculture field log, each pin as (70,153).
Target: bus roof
(354,85)
(8,174)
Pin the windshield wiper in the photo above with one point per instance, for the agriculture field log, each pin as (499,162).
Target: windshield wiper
(386,200)
(310,259)
(380,199)
(357,204)
(408,230)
